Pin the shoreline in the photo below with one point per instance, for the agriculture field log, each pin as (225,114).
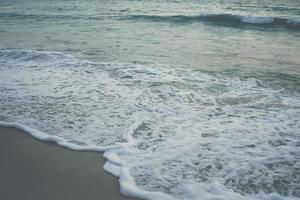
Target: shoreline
(33,169)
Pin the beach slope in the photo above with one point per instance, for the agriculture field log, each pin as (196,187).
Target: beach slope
(31,169)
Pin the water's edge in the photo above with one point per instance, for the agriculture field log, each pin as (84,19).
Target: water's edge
(192,109)
(112,165)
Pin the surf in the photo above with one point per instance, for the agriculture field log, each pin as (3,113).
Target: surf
(223,20)
(168,133)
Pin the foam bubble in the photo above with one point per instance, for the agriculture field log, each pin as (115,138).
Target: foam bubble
(167,133)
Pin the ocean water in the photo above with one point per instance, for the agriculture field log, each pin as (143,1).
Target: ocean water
(186,99)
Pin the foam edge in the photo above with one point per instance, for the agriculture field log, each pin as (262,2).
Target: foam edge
(113,165)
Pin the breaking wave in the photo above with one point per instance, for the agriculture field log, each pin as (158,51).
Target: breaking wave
(223,19)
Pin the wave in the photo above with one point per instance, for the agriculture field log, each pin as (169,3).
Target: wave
(47,17)
(24,16)
(167,133)
(223,19)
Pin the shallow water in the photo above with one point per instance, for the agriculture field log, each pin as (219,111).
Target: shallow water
(203,97)
(178,124)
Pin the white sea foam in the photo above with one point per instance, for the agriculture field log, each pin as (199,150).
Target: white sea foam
(56,139)
(167,133)
(257,19)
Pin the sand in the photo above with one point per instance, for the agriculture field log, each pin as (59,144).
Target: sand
(35,170)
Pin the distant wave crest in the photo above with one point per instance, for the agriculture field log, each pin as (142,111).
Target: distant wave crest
(223,19)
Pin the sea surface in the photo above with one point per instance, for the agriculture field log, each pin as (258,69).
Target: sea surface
(188,99)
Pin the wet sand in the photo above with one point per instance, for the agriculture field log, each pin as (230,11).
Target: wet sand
(35,170)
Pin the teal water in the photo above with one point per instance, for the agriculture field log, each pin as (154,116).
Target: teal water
(113,31)
(200,99)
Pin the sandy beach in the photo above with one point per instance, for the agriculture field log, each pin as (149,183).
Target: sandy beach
(31,169)
(149,99)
